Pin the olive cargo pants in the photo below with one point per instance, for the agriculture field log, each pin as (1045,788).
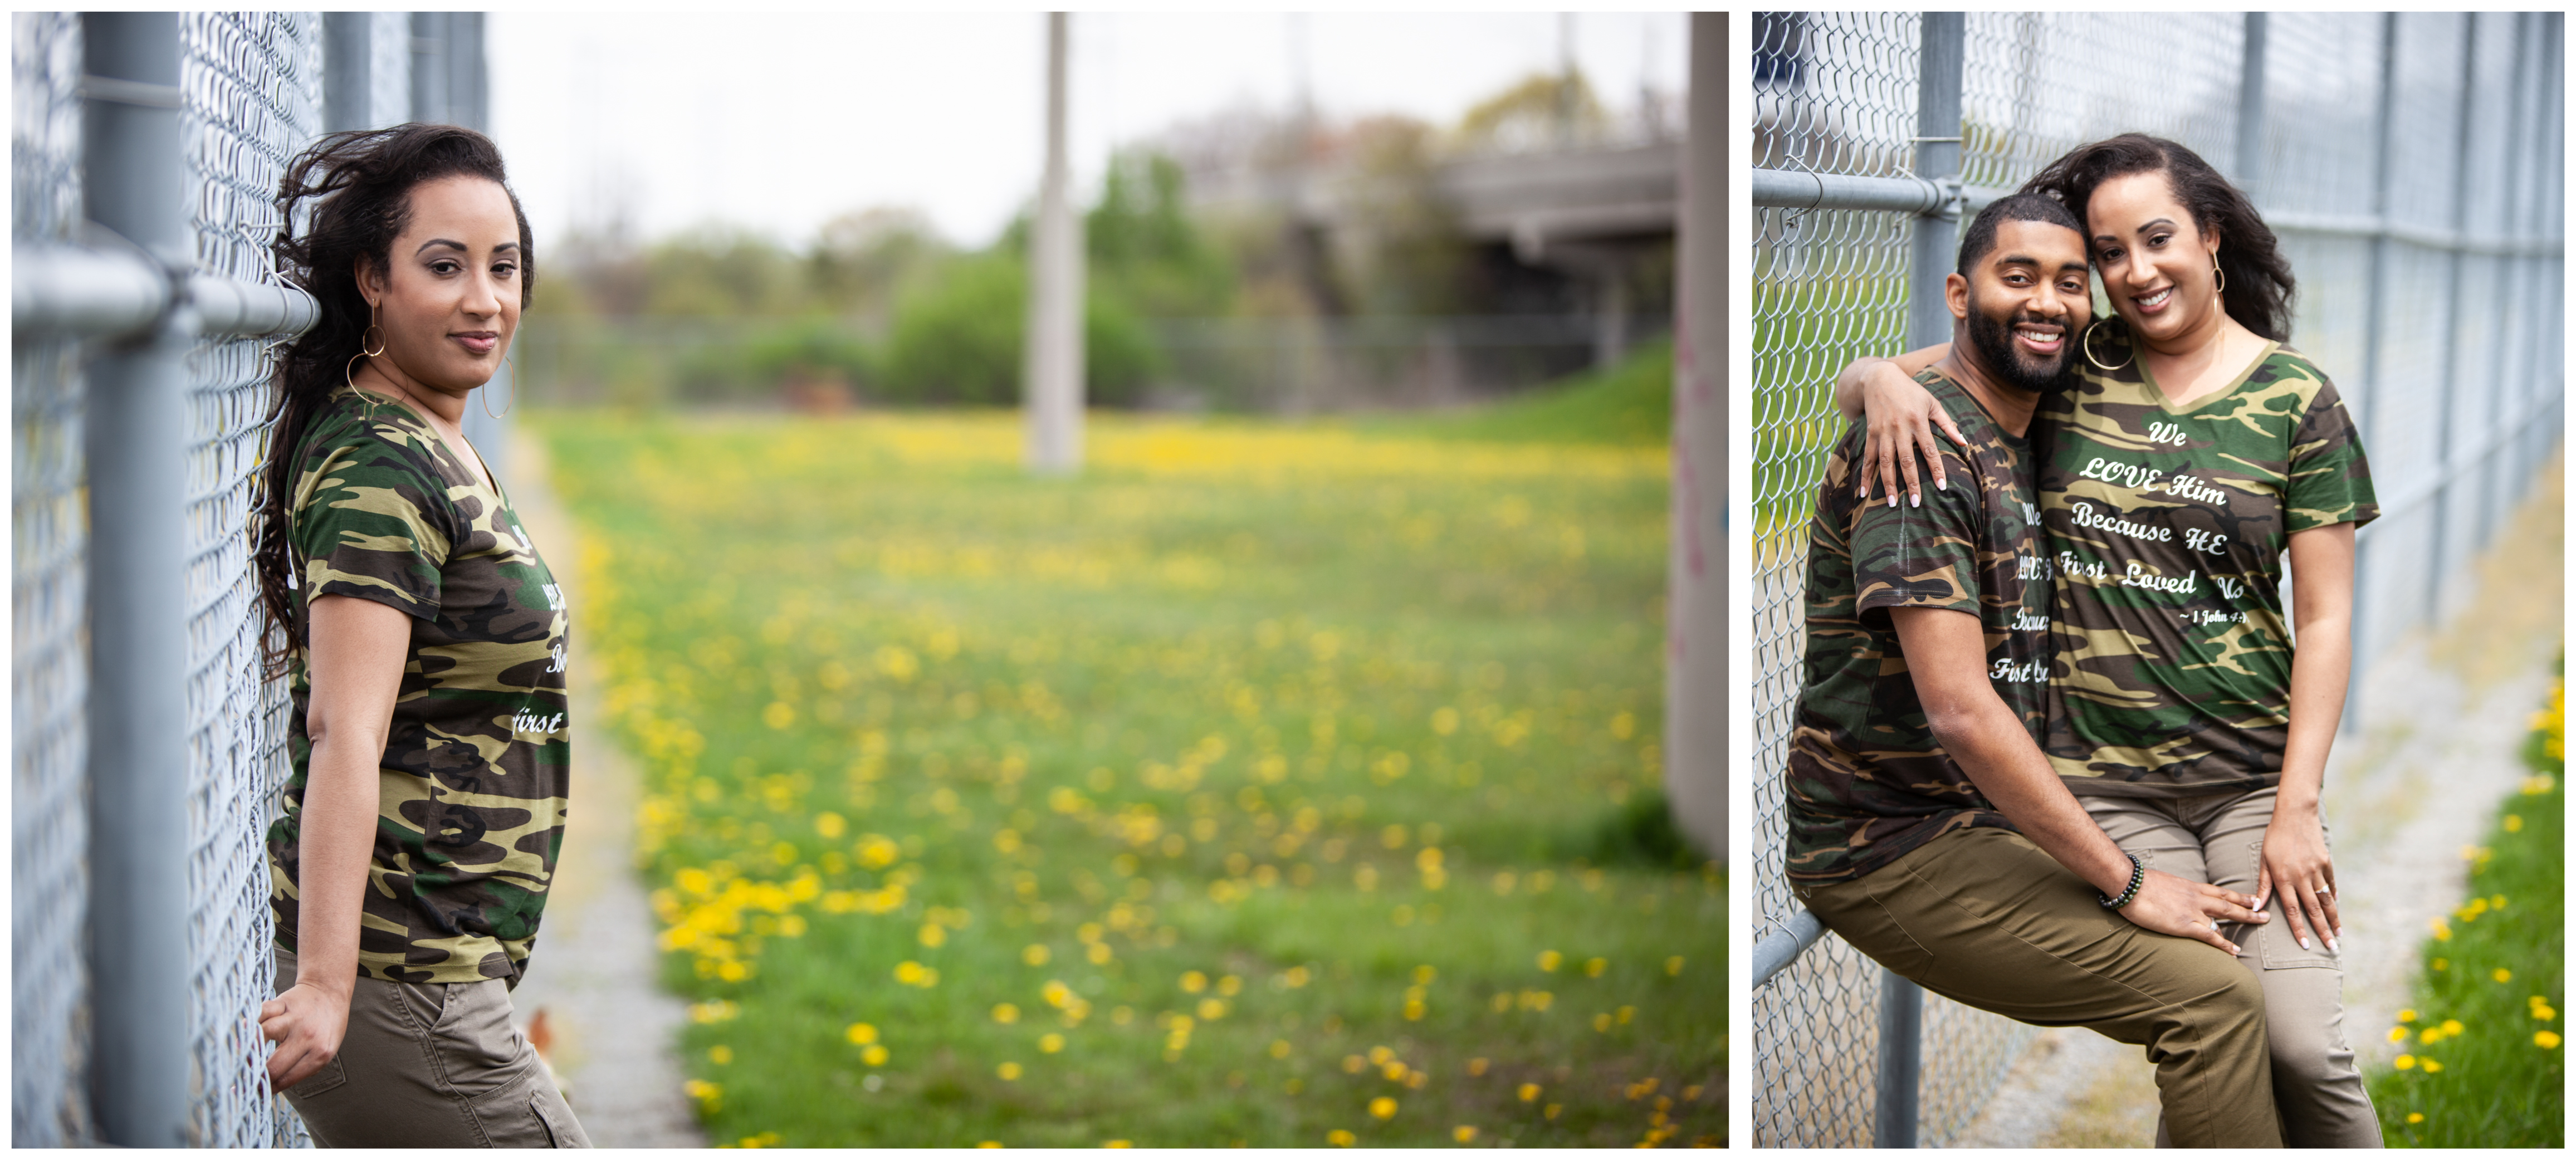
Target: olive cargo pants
(1985,917)
(2218,839)
(431,1065)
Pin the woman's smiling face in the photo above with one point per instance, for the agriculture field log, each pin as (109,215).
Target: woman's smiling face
(2154,260)
(449,301)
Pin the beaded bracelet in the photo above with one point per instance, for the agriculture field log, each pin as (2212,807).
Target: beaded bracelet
(2137,878)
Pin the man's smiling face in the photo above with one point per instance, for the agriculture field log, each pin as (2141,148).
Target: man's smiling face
(2028,303)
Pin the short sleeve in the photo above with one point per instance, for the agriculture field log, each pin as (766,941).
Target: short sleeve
(1922,557)
(371,523)
(2329,476)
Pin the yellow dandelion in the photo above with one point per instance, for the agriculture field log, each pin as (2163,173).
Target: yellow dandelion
(2452,1027)
(2513,823)
(1673,966)
(1010,1072)
(1593,967)
(2406,1015)
(862,1034)
(2546,1039)
(1383,1107)
(874,1056)
(1279,1049)
(2404,1062)
(1549,960)
(1478,1065)
(1354,1064)
(1036,955)
(2431,1065)
(1194,982)
(990,1144)
(1340,1138)
(1119,1144)
(720,1055)
(2503,975)
(1529,1093)
(1463,1133)
(1006,1013)
(1050,1043)
(2397,1035)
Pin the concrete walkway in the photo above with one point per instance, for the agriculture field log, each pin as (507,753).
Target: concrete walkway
(2443,716)
(613,1031)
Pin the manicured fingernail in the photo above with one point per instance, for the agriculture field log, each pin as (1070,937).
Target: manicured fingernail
(1891,499)
(2303,944)
(1918,499)
(2334,946)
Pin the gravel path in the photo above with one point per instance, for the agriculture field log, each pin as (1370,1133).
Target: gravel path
(2443,718)
(613,1031)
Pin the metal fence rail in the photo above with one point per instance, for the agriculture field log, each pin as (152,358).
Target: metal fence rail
(148,751)
(2412,164)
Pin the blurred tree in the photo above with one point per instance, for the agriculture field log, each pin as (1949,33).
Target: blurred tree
(1146,251)
(720,271)
(1401,252)
(1543,111)
(861,262)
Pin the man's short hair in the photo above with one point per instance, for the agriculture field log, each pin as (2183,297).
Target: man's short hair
(2019,207)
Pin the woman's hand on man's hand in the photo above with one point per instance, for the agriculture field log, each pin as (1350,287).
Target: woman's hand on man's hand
(307,1024)
(2297,864)
(2179,906)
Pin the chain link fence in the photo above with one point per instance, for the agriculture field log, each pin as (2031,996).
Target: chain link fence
(248,96)
(2412,165)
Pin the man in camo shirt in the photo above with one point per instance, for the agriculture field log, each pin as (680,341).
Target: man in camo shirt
(1925,825)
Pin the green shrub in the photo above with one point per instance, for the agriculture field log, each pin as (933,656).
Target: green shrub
(959,341)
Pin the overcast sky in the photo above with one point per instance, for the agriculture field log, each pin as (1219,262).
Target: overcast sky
(780,121)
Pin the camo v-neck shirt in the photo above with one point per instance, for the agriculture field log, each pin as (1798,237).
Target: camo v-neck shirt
(475,771)
(2167,528)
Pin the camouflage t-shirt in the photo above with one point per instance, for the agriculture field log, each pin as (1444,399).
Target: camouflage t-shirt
(1867,783)
(475,770)
(2168,527)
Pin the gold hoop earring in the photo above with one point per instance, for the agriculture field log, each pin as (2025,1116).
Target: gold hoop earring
(2096,360)
(379,332)
(2219,273)
(513,370)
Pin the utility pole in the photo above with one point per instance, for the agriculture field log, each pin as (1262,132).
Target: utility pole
(1695,689)
(1051,383)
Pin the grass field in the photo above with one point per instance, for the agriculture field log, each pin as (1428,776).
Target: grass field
(1268,784)
(2484,1065)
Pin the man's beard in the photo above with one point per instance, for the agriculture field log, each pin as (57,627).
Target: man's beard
(1995,349)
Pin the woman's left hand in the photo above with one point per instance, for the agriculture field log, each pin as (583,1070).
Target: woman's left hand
(2297,863)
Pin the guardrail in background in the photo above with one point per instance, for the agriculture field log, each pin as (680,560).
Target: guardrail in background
(1827,100)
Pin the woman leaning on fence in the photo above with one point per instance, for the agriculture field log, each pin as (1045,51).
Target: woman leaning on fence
(424,652)
(2192,466)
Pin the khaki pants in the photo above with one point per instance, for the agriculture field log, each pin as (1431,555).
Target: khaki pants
(2219,840)
(431,1065)
(1985,917)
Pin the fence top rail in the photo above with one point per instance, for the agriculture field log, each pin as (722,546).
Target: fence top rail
(97,293)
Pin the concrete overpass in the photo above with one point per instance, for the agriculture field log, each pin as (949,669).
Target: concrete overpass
(1588,213)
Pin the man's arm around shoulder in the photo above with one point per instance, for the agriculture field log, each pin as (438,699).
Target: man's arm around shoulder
(1945,651)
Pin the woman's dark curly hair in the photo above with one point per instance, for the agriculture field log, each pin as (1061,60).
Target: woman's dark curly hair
(352,192)
(2259,286)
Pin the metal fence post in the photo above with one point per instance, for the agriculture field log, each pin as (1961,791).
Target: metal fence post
(2448,422)
(2365,634)
(348,70)
(2249,105)
(1937,153)
(136,444)
(1936,158)
(1900,1060)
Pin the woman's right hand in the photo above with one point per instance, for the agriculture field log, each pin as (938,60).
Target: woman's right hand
(2179,906)
(1901,415)
(307,1024)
